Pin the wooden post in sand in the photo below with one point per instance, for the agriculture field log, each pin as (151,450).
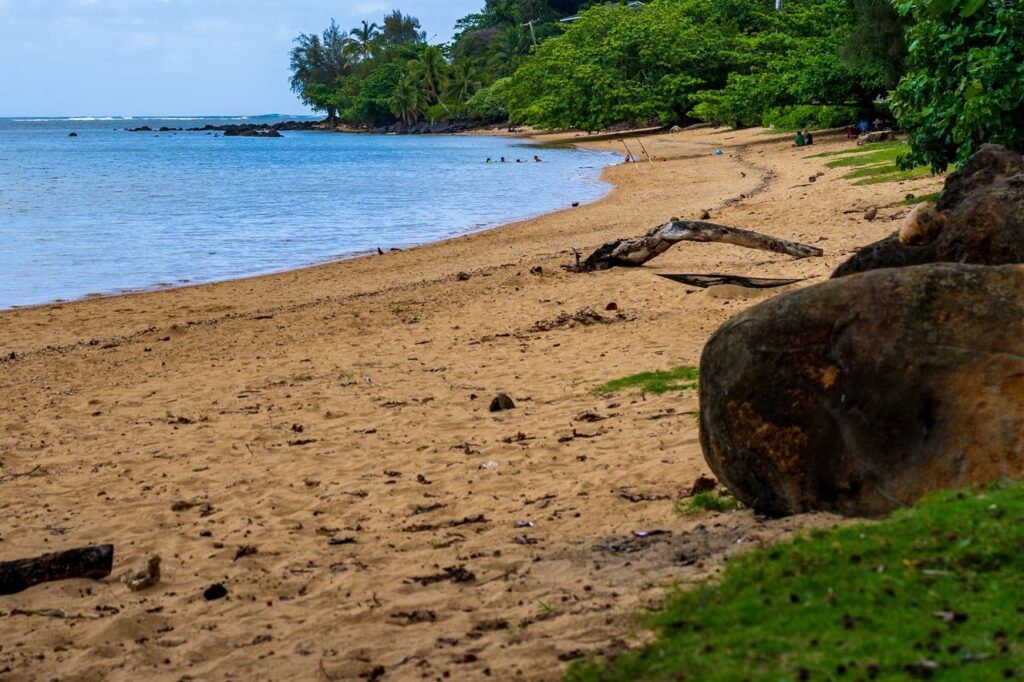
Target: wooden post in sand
(94,563)
(633,253)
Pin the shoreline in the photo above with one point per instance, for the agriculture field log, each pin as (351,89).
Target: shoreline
(187,283)
(348,402)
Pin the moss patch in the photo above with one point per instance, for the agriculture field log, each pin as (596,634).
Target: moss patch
(678,379)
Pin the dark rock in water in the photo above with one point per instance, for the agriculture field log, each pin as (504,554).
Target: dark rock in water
(244,131)
(215,592)
(72,134)
(865,393)
(983,210)
(142,129)
(502,402)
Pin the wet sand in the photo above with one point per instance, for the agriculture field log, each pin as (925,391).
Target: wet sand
(329,431)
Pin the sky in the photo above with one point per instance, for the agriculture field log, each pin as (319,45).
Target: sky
(173,57)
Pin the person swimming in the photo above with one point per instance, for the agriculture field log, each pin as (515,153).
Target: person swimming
(536,159)
(503,160)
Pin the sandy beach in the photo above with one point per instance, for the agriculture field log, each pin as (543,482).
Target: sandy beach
(319,441)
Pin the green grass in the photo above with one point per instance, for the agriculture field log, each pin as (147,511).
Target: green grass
(712,500)
(874,163)
(936,591)
(877,146)
(929,198)
(678,379)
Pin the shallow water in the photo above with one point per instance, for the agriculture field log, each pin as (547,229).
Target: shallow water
(111,210)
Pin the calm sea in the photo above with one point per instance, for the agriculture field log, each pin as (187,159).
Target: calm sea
(111,211)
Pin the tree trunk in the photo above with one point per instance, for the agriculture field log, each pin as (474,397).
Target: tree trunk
(635,252)
(94,563)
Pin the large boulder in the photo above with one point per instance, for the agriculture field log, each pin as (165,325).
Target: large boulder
(862,394)
(983,209)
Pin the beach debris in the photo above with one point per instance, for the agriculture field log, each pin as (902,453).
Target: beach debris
(92,563)
(539,270)
(427,508)
(910,196)
(463,277)
(650,533)
(423,480)
(575,204)
(633,253)
(590,417)
(706,215)
(215,592)
(339,542)
(813,178)
(137,581)
(455,574)
(244,551)
(803,410)
(871,214)
(922,225)
(640,497)
(714,279)
(525,524)
(638,541)
(611,307)
(501,403)
(183,506)
(426,527)
(584,317)
(983,205)
(415,617)
(489,466)
(703,484)
(525,540)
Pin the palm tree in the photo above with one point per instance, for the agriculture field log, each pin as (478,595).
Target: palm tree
(407,101)
(364,39)
(431,71)
(464,82)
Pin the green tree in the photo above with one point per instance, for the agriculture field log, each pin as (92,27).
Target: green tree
(319,63)
(407,101)
(372,104)
(464,81)
(966,81)
(401,29)
(365,39)
(431,72)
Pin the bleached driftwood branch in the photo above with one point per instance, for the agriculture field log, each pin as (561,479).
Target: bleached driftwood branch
(633,253)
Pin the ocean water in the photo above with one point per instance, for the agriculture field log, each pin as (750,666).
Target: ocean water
(111,211)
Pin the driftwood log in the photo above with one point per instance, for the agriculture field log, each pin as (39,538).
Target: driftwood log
(93,563)
(633,253)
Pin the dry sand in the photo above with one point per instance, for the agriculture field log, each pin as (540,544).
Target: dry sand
(351,401)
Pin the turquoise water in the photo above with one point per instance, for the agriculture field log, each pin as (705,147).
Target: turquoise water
(111,211)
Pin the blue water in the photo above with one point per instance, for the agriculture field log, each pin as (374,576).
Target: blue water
(111,210)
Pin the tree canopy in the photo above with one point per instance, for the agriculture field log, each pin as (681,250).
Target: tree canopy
(954,68)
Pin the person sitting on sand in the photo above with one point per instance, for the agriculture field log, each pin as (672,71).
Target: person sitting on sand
(808,138)
(800,141)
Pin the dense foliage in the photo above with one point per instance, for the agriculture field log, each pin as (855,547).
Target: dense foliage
(956,67)
(966,81)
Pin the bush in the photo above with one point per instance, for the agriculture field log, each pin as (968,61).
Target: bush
(490,103)
(810,116)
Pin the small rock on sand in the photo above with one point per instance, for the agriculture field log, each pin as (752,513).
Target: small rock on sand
(502,402)
(871,214)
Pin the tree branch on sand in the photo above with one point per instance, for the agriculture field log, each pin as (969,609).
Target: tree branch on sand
(631,253)
(93,563)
